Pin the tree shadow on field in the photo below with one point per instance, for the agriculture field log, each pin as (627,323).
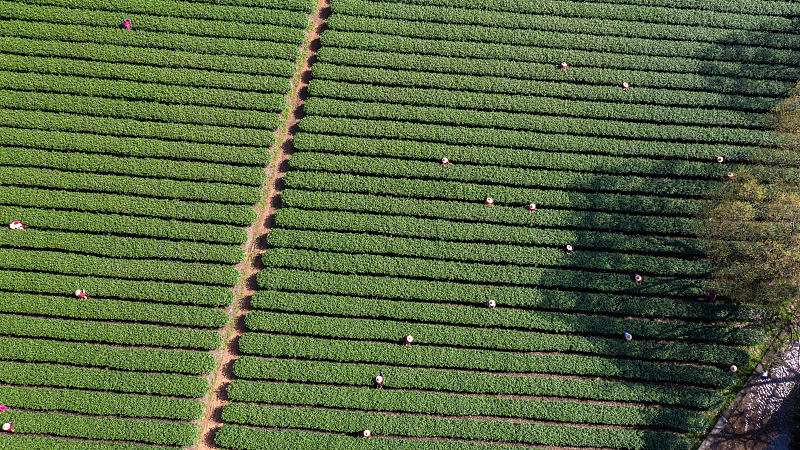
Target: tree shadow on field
(745,81)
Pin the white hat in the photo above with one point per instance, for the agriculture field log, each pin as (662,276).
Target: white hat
(409,338)
(78,292)
(489,201)
(7,426)
(366,433)
(379,379)
(720,159)
(491,303)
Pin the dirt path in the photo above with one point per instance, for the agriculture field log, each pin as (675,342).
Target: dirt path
(256,244)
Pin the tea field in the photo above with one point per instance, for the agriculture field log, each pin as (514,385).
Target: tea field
(133,158)
(419,113)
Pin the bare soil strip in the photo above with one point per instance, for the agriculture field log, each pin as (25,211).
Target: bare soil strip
(256,244)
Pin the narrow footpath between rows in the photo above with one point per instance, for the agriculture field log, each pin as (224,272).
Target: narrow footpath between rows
(256,244)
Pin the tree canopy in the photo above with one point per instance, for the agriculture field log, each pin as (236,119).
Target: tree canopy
(750,224)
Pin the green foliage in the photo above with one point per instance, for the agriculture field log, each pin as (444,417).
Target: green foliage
(527,255)
(244,438)
(427,426)
(503,28)
(182,21)
(508,159)
(151,360)
(122,204)
(403,70)
(154,291)
(125,334)
(417,378)
(135,128)
(122,247)
(143,38)
(138,186)
(116,310)
(613,9)
(486,174)
(432,403)
(60,220)
(12,442)
(522,139)
(487,123)
(67,425)
(142,167)
(473,273)
(475,314)
(136,269)
(138,110)
(167,384)
(489,339)
(135,147)
(285,346)
(615,106)
(101,403)
(478,232)
(599,67)
(464,201)
(224,10)
(458,293)
(131,90)
(67,59)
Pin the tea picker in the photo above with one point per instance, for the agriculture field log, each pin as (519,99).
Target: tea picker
(366,433)
(568,249)
(379,381)
(627,336)
(16,226)
(80,293)
(8,426)
(408,339)
(637,278)
(126,24)
(445,161)
(491,303)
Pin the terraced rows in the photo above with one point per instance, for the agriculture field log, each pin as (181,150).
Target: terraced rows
(134,159)
(378,239)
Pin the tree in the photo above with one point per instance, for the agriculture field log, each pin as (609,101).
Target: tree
(750,224)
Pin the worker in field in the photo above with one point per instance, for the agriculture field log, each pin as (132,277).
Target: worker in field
(569,249)
(625,85)
(489,201)
(16,226)
(80,293)
(445,161)
(627,336)
(711,296)
(126,24)
(637,278)
(563,66)
(408,339)
(532,207)
(8,426)
(366,433)
(379,381)
(3,408)
(491,304)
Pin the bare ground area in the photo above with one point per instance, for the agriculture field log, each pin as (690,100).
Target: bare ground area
(256,244)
